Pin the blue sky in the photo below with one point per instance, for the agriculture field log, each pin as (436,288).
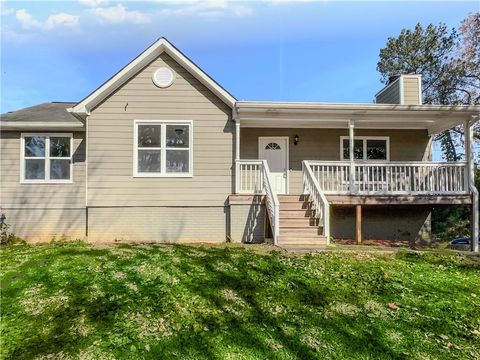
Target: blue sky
(269,50)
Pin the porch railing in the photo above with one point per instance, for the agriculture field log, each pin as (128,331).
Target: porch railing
(253,177)
(248,177)
(414,178)
(317,197)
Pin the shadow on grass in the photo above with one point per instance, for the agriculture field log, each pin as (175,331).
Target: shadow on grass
(274,306)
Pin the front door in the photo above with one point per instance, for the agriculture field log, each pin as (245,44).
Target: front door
(275,151)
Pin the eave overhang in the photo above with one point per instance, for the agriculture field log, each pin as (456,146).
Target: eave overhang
(433,118)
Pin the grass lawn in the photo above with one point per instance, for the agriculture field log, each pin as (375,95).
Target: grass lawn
(73,300)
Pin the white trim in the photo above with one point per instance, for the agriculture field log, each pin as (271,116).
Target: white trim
(364,139)
(401,90)
(420,95)
(287,156)
(152,52)
(46,157)
(163,149)
(41,126)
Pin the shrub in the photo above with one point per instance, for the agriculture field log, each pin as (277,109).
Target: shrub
(6,237)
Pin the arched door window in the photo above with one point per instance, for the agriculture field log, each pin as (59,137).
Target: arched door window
(272,146)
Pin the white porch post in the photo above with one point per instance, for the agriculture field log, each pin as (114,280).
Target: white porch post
(237,139)
(470,175)
(237,155)
(352,155)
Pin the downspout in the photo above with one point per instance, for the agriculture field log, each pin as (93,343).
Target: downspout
(84,117)
(468,128)
(236,119)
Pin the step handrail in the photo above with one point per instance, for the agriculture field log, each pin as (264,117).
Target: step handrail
(271,201)
(317,197)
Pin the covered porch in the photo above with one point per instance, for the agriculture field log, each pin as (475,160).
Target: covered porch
(351,155)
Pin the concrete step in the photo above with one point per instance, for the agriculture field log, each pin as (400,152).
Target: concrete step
(294,214)
(301,241)
(297,222)
(300,232)
(292,198)
(295,206)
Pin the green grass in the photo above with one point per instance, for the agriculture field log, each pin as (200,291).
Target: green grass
(231,302)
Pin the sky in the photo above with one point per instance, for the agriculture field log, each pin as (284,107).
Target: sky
(258,50)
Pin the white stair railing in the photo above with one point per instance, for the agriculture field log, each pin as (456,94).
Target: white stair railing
(253,177)
(271,201)
(317,197)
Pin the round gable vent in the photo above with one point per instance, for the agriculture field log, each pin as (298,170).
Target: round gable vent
(163,77)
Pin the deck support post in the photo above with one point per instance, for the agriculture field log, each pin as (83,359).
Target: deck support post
(358,224)
(470,180)
(352,155)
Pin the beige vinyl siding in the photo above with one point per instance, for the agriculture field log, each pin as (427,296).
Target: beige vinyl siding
(324,144)
(42,225)
(390,95)
(410,90)
(157,224)
(13,194)
(247,219)
(110,144)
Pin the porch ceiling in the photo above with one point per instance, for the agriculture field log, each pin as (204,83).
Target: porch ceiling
(433,118)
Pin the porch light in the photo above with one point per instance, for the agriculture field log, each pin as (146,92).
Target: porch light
(295,140)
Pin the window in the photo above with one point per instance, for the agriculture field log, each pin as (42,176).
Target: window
(46,158)
(272,146)
(163,148)
(366,148)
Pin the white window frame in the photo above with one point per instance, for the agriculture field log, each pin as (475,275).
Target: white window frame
(364,143)
(47,159)
(163,148)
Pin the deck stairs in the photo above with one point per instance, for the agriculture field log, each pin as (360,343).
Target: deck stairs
(298,226)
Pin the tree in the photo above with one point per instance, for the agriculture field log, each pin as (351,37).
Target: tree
(449,62)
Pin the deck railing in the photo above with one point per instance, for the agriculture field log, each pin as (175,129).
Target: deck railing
(413,178)
(317,197)
(253,177)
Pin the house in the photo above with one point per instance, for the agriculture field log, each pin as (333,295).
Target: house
(161,152)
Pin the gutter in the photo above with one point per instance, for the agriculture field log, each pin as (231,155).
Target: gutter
(41,126)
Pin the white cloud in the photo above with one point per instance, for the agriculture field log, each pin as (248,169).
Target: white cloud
(13,36)
(61,19)
(119,14)
(242,10)
(26,20)
(6,11)
(93,3)
(53,21)
(207,9)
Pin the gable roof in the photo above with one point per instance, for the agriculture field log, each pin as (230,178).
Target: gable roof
(46,116)
(132,68)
